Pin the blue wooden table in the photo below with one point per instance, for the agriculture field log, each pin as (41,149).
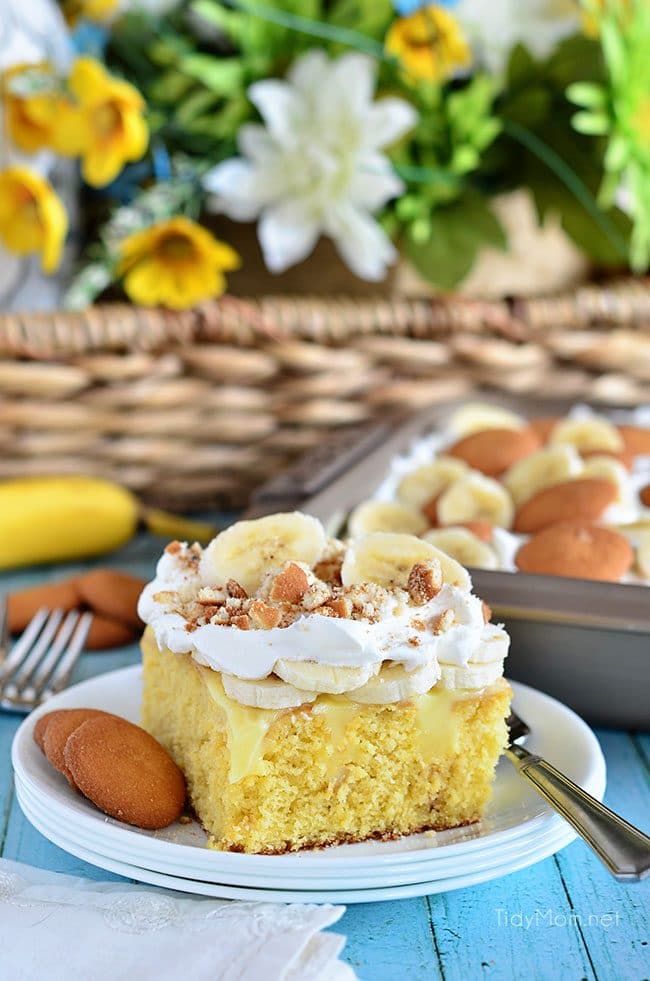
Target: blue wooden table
(565,918)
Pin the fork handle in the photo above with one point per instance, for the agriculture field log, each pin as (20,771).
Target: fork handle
(619,845)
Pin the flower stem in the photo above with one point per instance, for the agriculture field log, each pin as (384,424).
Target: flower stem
(569,178)
(314,28)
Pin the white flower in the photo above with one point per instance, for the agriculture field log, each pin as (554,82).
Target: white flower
(494,27)
(316,167)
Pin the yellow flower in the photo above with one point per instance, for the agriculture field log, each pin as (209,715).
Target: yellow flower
(176,263)
(112,122)
(95,10)
(46,119)
(32,218)
(429,43)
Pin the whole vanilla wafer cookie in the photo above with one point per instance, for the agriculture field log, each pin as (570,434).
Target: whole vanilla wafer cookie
(113,595)
(51,734)
(125,772)
(577,549)
(573,500)
(492,451)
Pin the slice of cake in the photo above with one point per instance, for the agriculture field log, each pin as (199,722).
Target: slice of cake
(316,692)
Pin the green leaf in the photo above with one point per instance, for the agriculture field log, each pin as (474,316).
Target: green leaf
(305,21)
(170,87)
(165,51)
(221,125)
(616,155)
(370,17)
(586,94)
(591,123)
(577,58)
(222,75)
(215,14)
(530,106)
(195,105)
(581,227)
(464,159)
(563,176)
(458,232)
(521,66)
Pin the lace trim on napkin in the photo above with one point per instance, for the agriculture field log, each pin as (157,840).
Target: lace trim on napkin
(145,912)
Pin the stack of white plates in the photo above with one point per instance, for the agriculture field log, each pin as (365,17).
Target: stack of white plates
(517,831)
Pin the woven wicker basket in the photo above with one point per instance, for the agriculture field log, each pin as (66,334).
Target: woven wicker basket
(197,408)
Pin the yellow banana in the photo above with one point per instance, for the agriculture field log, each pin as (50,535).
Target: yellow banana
(54,519)
(176,526)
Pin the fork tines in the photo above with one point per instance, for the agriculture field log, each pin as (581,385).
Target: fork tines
(40,662)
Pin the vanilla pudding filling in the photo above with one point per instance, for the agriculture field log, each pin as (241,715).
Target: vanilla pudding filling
(442,641)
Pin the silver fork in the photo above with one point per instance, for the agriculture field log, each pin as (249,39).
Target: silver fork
(41,661)
(622,848)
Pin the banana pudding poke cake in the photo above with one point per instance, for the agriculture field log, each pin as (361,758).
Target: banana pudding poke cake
(316,692)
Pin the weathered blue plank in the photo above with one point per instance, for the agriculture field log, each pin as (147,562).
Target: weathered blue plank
(496,930)
(390,941)
(614,919)
(8,725)
(642,742)
(23,843)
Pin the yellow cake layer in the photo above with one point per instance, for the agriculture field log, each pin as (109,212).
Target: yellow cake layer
(273,780)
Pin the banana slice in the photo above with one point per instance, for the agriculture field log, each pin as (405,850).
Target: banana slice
(395,684)
(248,549)
(311,676)
(462,545)
(265,693)
(601,465)
(552,465)
(476,416)
(387,558)
(386,516)
(493,648)
(420,485)
(472,676)
(594,433)
(476,498)
(643,554)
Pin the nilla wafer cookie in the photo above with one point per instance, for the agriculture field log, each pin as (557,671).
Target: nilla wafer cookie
(573,500)
(113,595)
(125,772)
(105,634)
(636,440)
(492,451)
(51,733)
(577,549)
(24,605)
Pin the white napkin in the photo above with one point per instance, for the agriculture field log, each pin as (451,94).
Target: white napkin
(59,927)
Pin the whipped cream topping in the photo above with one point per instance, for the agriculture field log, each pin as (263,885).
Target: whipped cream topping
(399,632)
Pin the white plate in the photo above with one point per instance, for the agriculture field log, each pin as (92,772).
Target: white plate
(516,816)
(413,873)
(295,895)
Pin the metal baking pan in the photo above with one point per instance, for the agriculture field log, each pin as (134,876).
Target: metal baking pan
(586,643)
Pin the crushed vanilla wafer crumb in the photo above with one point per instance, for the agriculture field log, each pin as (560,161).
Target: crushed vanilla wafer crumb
(290,585)
(443,622)
(424,581)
